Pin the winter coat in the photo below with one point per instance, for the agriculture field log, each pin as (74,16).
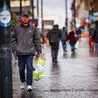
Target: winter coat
(63,34)
(72,37)
(54,35)
(25,40)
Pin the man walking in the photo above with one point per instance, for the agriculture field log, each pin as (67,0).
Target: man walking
(54,39)
(64,39)
(95,37)
(25,42)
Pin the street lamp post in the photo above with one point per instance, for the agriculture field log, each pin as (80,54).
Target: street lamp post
(75,13)
(66,18)
(32,6)
(42,16)
(5,50)
(37,8)
(20,8)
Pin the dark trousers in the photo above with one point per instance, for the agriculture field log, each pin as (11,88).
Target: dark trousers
(25,62)
(54,49)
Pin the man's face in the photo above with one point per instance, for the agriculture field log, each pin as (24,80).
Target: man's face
(25,20)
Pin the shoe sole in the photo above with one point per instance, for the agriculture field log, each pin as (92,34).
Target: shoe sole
(29,90)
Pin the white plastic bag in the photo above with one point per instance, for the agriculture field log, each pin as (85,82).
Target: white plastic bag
(39,64)
(77,44)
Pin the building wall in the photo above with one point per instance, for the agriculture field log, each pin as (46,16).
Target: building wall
(84,8)
(80,8)
(16,3)
(15,6)
(95,5)
(92,5)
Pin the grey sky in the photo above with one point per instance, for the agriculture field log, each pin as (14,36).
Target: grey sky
(56,8)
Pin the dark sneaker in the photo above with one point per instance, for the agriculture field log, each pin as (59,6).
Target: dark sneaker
(53,60)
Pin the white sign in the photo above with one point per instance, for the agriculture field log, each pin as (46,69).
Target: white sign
(5,17)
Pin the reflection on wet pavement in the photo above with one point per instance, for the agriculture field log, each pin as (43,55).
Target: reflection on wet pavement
(73,77)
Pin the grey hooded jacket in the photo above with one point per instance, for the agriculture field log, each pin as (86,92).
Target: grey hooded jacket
(25,40)
(63,34)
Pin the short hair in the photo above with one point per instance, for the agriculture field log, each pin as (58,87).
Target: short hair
(64,28)
(25,14)
(56,25)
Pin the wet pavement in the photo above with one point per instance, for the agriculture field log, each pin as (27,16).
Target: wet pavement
(73,77)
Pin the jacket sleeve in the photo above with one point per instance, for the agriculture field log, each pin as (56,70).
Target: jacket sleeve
(37,41)
(60,34)
(14,40)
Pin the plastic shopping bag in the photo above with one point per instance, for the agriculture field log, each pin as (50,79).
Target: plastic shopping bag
(39,68)
(77,44)
(40,61)
(37,75)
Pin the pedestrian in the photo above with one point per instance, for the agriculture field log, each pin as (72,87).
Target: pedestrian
(72,38)
(95,37)
(25,43)
(54,36)
(80,30)
(91,41)
(63,39)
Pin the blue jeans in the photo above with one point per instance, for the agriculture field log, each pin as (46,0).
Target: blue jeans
(64,45)
(25,62)
(72,47)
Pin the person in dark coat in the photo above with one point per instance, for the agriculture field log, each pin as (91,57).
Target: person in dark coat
(25,43)
(54,38)
(95,37)
(72,38)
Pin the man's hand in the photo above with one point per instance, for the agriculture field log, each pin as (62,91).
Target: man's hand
(38,54)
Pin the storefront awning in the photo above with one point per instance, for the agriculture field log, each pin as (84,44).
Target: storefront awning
(17,9)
